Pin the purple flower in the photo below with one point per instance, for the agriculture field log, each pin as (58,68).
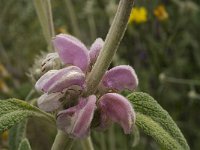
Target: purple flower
(118,109)
(95,49)
(72,51)
(76,120)
(50,102)
(63,89)
(119,78)
(59,80)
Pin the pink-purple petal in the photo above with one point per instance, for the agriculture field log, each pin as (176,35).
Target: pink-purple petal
(120,78)
(76,120)
(72,51)
(95,50)
(60,80)
(44,79)
(50,102)
(118,109)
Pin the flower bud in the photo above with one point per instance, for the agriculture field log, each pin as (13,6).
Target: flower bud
(76,120)
(118,109)
(52,61)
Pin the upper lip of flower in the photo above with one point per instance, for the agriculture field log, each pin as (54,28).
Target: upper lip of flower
(72,51)
(59,80)
(76,120)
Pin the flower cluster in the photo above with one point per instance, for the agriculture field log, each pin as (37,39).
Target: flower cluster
(63,89)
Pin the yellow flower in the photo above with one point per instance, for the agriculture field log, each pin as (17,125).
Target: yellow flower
(138,15)
(3,71)
(61,29)
(5,135)
(161,13)
(3,75)
(3,87)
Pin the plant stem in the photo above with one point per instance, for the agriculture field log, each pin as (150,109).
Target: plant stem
(111,135)
(112,41)
(102,141)
(182,81)
(73,18)
(92,27)
(43,9)
(30,93)
(87,144)
(62,142)
(50,20)
(39,6)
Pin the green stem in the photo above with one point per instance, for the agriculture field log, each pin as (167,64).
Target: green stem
(50,19)
(44,13)
(62,142)
(87,144)
(102,141)
(182,81)
(73,18)
(111,135)
(112,41)
(92,26)
(42,17)
(29,95)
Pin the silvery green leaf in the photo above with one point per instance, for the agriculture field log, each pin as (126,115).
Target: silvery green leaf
(13,111)
(24,145)
(153,120)
(16,134)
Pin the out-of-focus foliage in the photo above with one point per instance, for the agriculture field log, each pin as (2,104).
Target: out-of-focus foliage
(163,48)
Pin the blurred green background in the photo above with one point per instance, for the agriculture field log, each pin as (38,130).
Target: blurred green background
(162,43)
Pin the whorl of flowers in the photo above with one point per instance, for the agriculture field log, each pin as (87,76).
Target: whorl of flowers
(63,89)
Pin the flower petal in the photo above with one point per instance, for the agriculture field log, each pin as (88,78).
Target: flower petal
(59,80)
(72,51)
(118,109)
(76,120)
(95,50)
(44,79)
(120,78)
(50,102)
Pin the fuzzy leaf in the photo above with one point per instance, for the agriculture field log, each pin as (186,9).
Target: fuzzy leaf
(13,111)
(24,145)
(156,122)
(16,134)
